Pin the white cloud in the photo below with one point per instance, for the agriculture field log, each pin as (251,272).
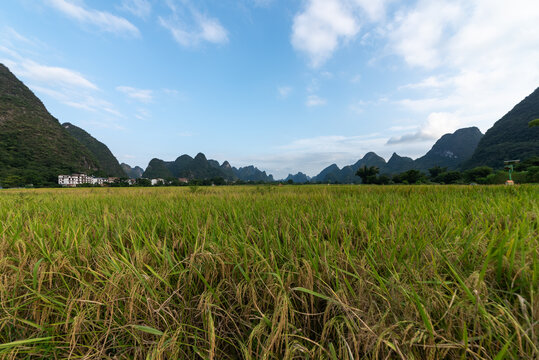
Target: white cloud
(105,21)
(202,29)
(318,30)
(52,75)
(417,33)
(314,100)
(284,91)
(141,95)
(312,155)
(375,9)
(65,86)
(437,124)
(324,25)
(480,59)
(140,8)
(432,82)
(78,99)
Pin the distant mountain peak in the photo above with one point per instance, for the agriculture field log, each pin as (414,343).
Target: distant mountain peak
(299,178)
(184,157)
(201,168)
(451,150)
(201,157)
(370,155)
(132,173)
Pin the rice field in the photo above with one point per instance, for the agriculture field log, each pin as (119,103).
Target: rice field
(310,272)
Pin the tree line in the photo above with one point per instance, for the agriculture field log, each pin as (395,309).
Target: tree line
(525,172)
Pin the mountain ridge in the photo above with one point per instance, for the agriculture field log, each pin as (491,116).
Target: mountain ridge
(107,161)
(450,151)
(510,138)
(201,168)
(34,147)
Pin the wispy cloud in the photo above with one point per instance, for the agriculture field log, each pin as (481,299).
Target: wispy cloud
(140,8)
(315,100)
(102,20)
(142,95)
(311,155)
(78,99)
(53,75)
(143,114)
(284,91)
(55,83)
(189,27)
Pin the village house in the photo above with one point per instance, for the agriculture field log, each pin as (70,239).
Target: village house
(74,180)
(157,182)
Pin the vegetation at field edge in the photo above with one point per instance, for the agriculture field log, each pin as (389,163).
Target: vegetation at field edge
(323,272)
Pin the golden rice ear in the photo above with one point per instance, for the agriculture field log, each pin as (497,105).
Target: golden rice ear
(317,272)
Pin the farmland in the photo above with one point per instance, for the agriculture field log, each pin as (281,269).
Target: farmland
(294,272)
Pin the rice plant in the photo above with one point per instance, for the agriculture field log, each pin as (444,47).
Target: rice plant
(311,272)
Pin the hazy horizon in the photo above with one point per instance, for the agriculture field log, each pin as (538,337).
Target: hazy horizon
(285,86)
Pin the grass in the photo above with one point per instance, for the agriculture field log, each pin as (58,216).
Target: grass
(323,272)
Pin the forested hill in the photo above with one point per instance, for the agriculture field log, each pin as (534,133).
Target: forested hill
(450,151)
(34,147)
(510,138)
(133,173)
(200,168)
(107,162)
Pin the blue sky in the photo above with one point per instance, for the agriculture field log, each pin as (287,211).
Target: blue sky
(285,85)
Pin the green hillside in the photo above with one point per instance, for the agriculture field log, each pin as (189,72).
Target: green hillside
(108,163)
(451,150)
(200,168)
(157,168)
(133,173)
(34,148)
(511,137)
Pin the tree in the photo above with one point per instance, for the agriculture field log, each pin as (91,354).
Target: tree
(477,174)
(409,177)
(449,177)
(12,181)
(533,123)
(383,180)
(367,174)
(437,170)
(143,182)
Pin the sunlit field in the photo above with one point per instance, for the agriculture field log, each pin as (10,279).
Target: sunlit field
(292,272)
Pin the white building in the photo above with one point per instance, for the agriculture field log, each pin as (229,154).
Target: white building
(99,181)
(74,180)
(157,182)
